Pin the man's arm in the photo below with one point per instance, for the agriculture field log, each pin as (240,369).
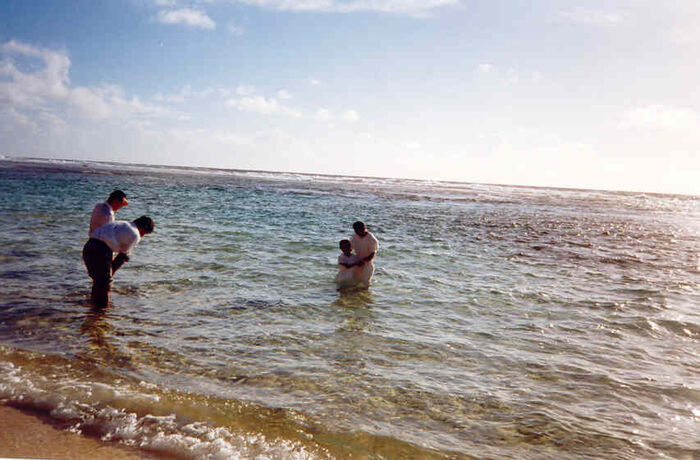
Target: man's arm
(127,241)
(351,264)
(119,261)
(369,257)
(349,261)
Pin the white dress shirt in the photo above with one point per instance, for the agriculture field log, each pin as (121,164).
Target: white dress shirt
(102,214)
(120,236)
(346,274)
(364,246)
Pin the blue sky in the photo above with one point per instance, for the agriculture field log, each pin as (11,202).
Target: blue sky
(595,94)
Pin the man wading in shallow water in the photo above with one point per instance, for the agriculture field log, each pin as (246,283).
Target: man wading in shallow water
(103,213)
(365,246)
(120,237)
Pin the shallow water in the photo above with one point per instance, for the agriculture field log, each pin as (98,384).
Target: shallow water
(502,322)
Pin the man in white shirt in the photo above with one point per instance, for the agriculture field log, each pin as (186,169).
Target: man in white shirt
(115,237)
(103,213)
(365,246)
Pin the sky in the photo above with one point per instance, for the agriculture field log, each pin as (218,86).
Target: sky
(582,94)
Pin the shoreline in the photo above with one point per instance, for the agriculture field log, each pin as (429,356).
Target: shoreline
(27,434)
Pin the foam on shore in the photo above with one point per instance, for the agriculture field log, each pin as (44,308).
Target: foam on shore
(132,417)
(25,434)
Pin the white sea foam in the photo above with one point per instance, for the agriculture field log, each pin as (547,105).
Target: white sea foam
(117,414)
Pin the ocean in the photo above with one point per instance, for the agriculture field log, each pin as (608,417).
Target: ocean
(502,322)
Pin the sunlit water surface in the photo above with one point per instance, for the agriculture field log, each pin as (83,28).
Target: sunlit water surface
(502,322)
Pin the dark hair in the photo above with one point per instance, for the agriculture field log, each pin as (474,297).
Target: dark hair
(146,223)
(345,242)
(116,195)
(358,226)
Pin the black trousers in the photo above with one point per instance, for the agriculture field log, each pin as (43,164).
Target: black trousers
(98,261)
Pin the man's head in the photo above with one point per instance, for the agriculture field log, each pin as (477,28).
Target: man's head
(117,200)
(359,228)
(346,247)
(144,224)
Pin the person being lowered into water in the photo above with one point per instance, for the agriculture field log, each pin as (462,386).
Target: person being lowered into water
(347,262)
(357,269)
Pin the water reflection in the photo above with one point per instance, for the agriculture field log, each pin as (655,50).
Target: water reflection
(355,309)
(95,327)
(354,297)
(98,330)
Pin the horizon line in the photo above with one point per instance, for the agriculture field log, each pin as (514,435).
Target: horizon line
(339,175)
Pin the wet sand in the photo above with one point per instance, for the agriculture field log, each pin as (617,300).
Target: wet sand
(26,435)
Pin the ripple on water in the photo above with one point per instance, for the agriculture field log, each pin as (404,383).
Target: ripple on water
(503,322)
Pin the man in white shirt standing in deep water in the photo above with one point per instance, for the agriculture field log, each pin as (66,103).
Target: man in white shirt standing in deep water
(365,246)
(120,237)
(103,213)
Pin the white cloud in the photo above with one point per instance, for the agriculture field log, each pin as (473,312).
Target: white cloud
(12,124)
(91,103)
(32,88)
(350,116)
(412,7)
(314,82)
(661,117)
(412,145)
(283,94)
(245,90)
(593,17)
(510,76)
(236,29)
(187,16)
(323,115)
(41,93)
(187,94)
(684,35)
(110,102)
(262,105)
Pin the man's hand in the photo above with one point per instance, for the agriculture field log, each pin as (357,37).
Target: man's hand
(119,261)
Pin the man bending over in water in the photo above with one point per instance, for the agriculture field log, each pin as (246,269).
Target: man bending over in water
(119,237)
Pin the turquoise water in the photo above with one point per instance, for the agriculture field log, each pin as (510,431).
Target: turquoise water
(502,322)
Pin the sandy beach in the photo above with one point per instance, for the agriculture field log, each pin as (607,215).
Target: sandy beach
(26,435)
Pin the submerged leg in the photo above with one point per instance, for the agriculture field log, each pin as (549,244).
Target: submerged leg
(98,261)
(100,295)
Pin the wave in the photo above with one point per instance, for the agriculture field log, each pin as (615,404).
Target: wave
(92,401)
(136,417)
